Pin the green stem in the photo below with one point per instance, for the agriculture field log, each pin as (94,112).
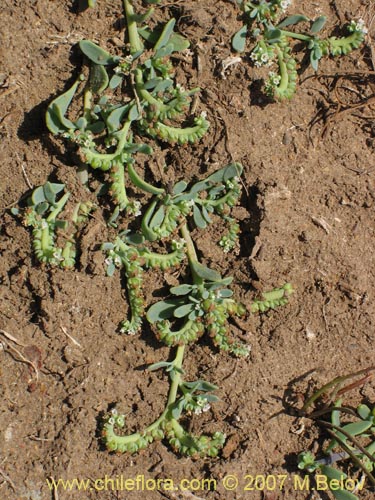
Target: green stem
(60,205)
(190,249)
(144,94)
(283,70)
(136,44)
(298,36)
(141,183)
(120,146)
(87,105)
(176,379)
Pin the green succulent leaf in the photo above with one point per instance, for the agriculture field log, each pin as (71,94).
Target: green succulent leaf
(38,196)
(205,272)
(55,115)
(181,289)
(111,268)
(198,218)
(200,385)
(115,117)
(98,80)
(273,35)
(164,51)
(205,214)
(134,238)
(162,310)
(364,411)
(160,364)
(239,39)
(51,189)
(226,173)
(184,310)
(134,112)
(179,187)
(61,224)
(343,495)
(96,127)
(332,473)
(179,42)
(158,217)
(318,24)
(115,81)
(356,428)
(141,18)
(177,408)
(291,20)
(165,34)
(96,54)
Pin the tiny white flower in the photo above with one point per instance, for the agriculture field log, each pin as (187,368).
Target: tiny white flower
(361,26)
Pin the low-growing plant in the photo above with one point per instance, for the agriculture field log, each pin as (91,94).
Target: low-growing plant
(352,432)
(43,212)
(273,42)
(202,303)
(127,96)
(127,99)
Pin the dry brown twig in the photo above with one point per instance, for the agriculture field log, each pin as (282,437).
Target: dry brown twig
(22,359)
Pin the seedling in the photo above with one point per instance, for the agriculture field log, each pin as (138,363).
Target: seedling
(352,438)
(202,303)
(273,43)
(130,95)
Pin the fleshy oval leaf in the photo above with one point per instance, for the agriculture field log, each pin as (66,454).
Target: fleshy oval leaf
(96,54)
(181,289)
(318,24)
(165,34)
(55,114)
(291,20)
(98,80)
(162,310)
(183,310)
(239,39)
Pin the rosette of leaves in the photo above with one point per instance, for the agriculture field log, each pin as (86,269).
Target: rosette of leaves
(216,194)
(273,42)
(45,206)
(127,95)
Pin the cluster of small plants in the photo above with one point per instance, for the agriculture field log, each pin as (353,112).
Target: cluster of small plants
(119,105)
(270,32)
(130,100)
(352,437)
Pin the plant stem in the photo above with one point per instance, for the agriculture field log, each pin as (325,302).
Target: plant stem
(120,146)
(136,44)
(191,253)
(59,206)
(298,36)
(176,379)
(283,70)
(87,105)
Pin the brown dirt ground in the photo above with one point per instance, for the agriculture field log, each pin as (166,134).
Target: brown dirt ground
(307,217)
